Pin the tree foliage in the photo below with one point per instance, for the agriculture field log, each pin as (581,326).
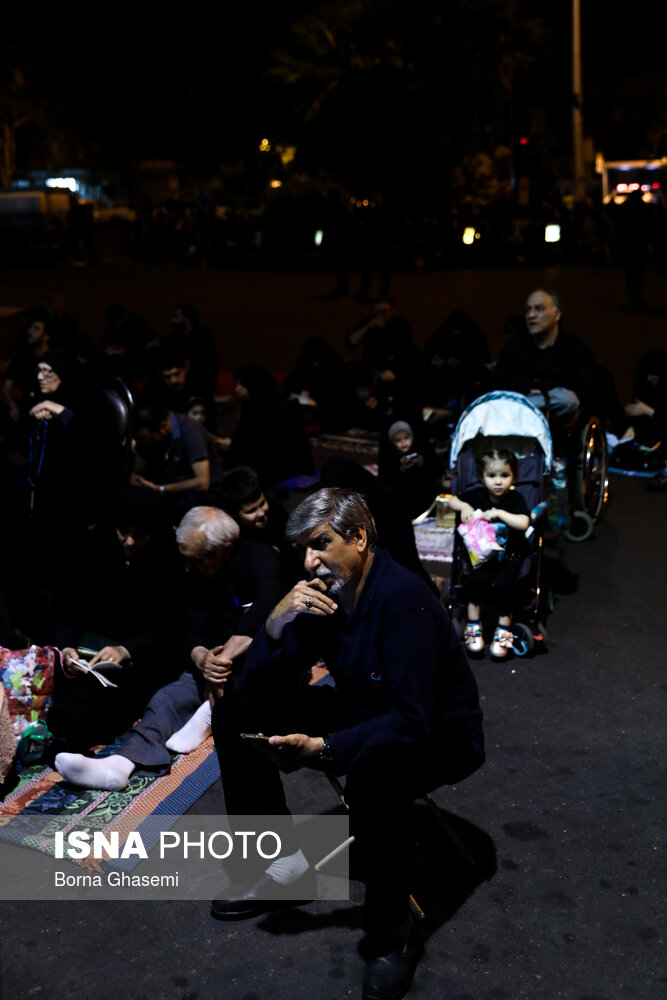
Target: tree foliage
(382,90)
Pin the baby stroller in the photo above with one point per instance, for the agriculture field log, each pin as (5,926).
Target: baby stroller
(505,420)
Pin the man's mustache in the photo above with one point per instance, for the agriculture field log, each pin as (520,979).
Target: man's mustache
(322,574)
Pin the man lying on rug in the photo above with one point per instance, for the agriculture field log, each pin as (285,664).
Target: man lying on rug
(232,584)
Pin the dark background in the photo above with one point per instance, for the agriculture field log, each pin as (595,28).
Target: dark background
(198,85)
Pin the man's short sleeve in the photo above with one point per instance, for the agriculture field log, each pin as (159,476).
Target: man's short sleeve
(193,437)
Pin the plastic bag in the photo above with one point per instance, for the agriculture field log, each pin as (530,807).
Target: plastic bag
(27,677)
(480,540)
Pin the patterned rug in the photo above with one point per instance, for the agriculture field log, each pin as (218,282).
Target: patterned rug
(44,794)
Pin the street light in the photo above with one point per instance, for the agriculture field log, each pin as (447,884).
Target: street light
(579,185)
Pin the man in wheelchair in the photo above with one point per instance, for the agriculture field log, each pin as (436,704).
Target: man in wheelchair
(558,372)
(547,360)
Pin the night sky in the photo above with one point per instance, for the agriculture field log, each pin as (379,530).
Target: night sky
(178,90)
(192,89)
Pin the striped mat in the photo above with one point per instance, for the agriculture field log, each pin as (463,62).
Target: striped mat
(42,795)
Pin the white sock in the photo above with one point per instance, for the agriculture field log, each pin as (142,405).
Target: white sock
(194,732)
(107,773)
(289,869)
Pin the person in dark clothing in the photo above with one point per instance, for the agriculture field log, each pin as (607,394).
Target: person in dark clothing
(648,416)
(171,386)
(648,409)
(408,463)
(126,343)
(390,369)
(21,372)
(63,329)
(454,360)
(404,717)
(260,517)
(199,410)
(231,585)
(72,452)
(177,457)
(192,340)
(269,436)
(634,226)
(498,502)
(320,381)
(556,361)
(120,599)
(391,516)
(242,496)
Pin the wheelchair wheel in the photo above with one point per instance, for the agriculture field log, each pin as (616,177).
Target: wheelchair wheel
(581,527)
(592,483)
(524,641)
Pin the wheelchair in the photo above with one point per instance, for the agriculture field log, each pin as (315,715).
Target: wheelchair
(582,448)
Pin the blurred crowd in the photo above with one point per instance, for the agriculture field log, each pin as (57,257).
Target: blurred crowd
(291,229)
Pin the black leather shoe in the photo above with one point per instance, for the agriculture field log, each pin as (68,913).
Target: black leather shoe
(252,898)
(389,977)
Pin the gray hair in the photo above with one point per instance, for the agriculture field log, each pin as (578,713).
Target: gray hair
(345,510)
(218,529)
(554,296)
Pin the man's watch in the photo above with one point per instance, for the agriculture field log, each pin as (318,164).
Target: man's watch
(326,755)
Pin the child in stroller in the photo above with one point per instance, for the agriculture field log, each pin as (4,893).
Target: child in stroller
(495,501)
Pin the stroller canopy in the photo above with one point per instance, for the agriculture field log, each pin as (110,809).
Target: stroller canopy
(502,414)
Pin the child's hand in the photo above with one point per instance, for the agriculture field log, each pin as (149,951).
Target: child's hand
(490,515)
(467,513)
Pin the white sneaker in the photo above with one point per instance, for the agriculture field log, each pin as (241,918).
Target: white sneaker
(473,639)
(502,643)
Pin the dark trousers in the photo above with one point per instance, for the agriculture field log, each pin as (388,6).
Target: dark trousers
(382,784)
(495,581)
(168,710)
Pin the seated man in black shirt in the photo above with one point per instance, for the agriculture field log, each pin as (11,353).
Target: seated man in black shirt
(544,357)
